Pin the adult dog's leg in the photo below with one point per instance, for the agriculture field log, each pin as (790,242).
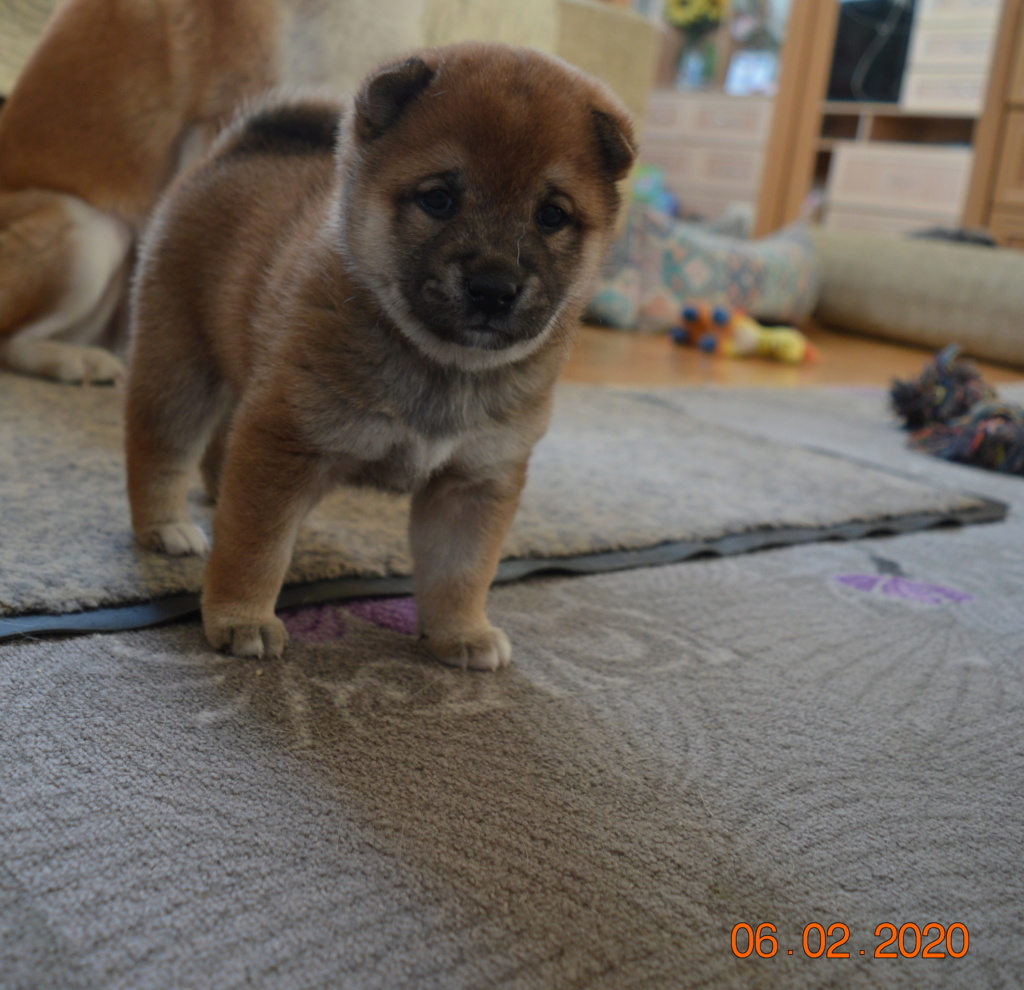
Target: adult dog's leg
(62,274)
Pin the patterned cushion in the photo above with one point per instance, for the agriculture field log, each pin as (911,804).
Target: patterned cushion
(660,264)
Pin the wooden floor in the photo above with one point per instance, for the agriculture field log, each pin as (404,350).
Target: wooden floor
(615,357)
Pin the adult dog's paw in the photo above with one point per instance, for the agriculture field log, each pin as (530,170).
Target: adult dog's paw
(486,649)
(88,365)
(260,639)
(177,539)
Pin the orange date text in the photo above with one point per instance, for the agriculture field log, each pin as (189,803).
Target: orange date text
(817,941)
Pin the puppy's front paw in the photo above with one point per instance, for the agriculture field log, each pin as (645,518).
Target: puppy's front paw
(486,649)
(177,539)
(259,639)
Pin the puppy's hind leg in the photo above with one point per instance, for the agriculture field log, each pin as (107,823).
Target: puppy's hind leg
(62,275)
(170,414)
(213,460)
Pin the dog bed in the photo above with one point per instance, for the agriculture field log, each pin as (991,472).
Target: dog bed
(931,293)
(659,264)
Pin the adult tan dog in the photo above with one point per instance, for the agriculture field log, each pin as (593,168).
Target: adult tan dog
(380,294)
(116,96)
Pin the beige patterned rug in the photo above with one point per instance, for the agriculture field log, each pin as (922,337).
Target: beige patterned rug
(622,479)
(827,734)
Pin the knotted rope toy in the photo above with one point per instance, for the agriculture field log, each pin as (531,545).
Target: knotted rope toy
(957,416)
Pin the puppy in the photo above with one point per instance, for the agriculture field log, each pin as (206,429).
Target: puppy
(117,95)
(380,294)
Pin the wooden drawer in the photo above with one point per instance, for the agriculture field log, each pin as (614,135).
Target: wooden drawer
(960,9)
(675,155)
(668,115)
(726,167)
(956,46)
(885,221)
(1007,227)
(712,203)
(738,168)
(709,117)
(1010,178)
(733,117)
(903,177)
(952,91)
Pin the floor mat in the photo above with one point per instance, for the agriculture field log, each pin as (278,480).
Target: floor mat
(623,479)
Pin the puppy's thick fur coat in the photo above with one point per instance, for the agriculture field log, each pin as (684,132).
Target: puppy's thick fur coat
(382,293)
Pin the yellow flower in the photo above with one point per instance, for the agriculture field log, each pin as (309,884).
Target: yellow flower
(690,13)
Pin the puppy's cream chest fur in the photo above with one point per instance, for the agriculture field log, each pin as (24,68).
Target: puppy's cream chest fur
(397,428)
(389,454)
(404,464)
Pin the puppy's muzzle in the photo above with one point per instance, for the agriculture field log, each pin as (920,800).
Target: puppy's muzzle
(491,293)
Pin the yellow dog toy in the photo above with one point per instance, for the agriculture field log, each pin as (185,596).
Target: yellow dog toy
(717,330)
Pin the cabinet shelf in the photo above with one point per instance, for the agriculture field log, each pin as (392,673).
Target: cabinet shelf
(858,109)
(882,167)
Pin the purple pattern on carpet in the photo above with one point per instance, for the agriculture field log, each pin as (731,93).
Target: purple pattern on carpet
(315,624)
(901,587)
(398,614)
(324,623)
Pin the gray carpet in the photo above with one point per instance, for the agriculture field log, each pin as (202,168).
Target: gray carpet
(822,733)
(619,473)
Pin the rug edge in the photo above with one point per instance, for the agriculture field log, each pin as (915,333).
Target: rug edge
(125,618)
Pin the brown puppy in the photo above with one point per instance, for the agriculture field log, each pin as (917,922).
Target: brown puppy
(117,95)
(377,294)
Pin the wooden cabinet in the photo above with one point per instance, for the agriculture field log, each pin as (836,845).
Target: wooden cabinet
(1010,176)
(1007,226)
(1015,94)
(846,152)
(877,166)
(996,197)
(711,147)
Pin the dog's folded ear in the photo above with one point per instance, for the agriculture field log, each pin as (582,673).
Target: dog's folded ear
(386,94)
(615,141)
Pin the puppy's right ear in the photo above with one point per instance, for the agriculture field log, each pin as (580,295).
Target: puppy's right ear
(385,95)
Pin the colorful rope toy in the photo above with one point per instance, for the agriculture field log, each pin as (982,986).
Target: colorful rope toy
(958,417)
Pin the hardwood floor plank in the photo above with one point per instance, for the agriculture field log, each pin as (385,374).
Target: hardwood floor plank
(615,357)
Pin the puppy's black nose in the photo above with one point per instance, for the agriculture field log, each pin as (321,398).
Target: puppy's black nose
(491,293)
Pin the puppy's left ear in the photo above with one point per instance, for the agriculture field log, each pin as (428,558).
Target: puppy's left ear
(615,140)
(385,95)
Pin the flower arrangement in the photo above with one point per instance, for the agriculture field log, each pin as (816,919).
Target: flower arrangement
(694,23)
(695,15)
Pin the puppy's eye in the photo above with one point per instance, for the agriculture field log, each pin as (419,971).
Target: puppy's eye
(551,218)
(438,202)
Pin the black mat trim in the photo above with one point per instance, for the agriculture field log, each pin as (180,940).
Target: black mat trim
(154,613)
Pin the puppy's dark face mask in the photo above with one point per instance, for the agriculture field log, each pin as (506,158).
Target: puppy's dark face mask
(487,264)
(481,198)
